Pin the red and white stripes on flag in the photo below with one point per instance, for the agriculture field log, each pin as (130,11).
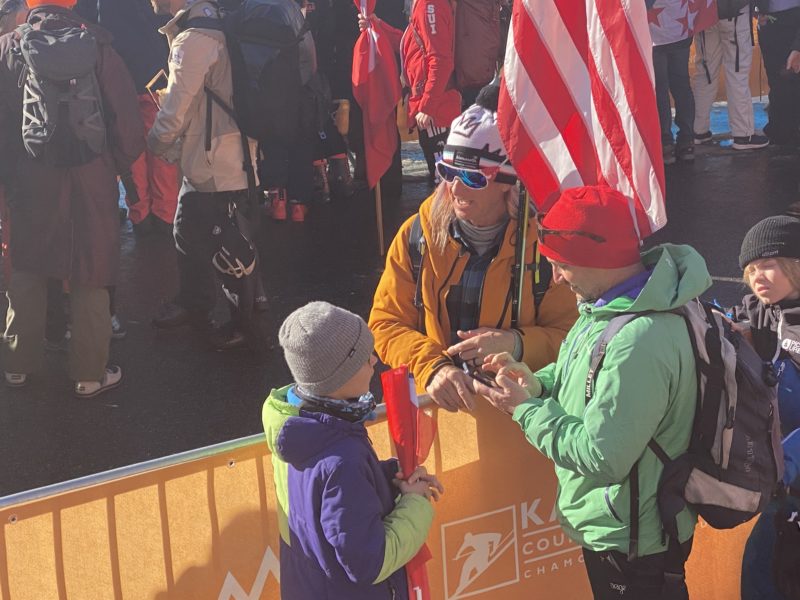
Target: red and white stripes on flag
(578,104)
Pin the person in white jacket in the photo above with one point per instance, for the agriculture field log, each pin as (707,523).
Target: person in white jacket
(726,45)
(215,184)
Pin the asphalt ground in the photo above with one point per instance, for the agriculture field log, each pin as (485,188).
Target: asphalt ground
(178,394)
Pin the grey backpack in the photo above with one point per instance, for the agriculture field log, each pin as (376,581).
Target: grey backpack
(734,463)
(62,108)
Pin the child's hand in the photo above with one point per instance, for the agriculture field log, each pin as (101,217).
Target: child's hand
(420,482)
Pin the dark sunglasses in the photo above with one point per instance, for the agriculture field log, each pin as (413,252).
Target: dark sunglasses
(542,233)
(472,178)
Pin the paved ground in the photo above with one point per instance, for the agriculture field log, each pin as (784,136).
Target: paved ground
(179,395)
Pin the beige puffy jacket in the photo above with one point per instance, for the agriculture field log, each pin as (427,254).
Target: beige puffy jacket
(199,58)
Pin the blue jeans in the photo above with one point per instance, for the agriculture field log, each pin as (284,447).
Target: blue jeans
(671,64)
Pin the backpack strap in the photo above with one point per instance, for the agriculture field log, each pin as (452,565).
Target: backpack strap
(202,23)
(416,251)
(542,276)
(595,363)
(247,166)
(600,347)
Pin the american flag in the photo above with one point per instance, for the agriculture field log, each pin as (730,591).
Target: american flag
(578,104)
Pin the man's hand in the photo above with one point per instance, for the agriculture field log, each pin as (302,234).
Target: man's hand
(482,342)
(419,482)
(452,389)
(364,21)
(423,121)
(793,62)
(515,382)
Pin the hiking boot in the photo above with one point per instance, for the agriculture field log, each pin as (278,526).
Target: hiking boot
(227,337)
(299,212)
(172,315)
(16,380)
(685,153)
(321,188)
(61,345)
(89,389)
(339,177)
(118,330)
(703,138)
(751,142)
(668,150)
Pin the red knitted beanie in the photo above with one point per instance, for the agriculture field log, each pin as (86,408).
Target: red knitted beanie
(590,227)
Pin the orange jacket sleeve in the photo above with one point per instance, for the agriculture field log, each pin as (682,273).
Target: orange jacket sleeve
(556,315)
(394,318)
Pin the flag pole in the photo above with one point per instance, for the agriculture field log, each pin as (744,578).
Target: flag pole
(523,214)
(379,217)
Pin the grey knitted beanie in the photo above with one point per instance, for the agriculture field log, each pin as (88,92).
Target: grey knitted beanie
(324,346)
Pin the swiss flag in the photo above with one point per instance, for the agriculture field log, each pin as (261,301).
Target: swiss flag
(675,20)
(376,88)
(412,430)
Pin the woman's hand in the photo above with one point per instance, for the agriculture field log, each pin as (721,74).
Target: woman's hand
(482,342)
(452,389)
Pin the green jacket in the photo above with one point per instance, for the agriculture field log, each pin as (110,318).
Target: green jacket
(646,389)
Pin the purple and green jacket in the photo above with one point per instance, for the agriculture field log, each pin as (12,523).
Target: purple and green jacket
(346,534)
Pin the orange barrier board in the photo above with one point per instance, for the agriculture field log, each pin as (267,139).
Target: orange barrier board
(207,529)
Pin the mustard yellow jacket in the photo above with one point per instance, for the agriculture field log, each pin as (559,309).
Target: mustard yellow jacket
(395,321)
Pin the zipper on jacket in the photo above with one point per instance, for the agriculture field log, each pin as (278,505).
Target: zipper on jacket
(446,281)
(483,281)
(609,505)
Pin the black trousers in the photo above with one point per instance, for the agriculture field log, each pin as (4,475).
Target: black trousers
(775,38)
(613,577)
(671,65)
(198,214)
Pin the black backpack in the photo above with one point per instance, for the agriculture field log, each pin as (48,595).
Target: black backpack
(730,9)
(62,108)
(734,463)
(263,38)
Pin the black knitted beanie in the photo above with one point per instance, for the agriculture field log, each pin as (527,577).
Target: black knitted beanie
(773,237)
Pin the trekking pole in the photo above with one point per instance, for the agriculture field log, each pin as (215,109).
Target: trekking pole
(379,216)
(523,214)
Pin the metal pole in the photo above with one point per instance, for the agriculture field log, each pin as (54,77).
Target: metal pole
(523,214)
(379,217)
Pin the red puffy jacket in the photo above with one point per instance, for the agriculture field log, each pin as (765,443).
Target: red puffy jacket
(427,57)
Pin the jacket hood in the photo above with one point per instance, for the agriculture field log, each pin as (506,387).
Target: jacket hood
(304,437)
(679,274)
(275,412)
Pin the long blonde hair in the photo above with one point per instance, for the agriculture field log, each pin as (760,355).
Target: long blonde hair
(789,266)
(443,214)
